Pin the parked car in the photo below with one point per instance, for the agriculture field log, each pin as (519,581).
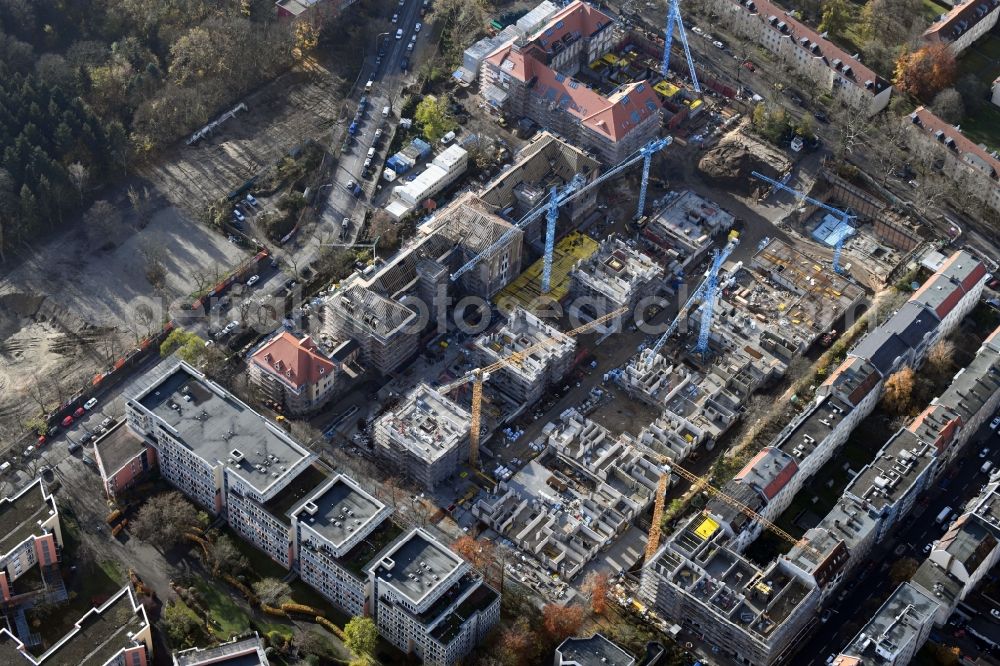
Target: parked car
(985,452)
(995,613)
(238,215)
(995,423)
(417,26)
(107,422)
(399,33)
(448,138)
(404,64)
(87,439)
(719,45)
(395,17)
(90,404)
(253,280)
(250,199)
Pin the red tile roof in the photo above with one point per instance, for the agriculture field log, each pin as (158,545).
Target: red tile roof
(849,67)
(933,124)
(297,362)
(772,465)
(961,18)
(613,116)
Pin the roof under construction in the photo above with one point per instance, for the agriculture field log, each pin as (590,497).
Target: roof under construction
(427,423)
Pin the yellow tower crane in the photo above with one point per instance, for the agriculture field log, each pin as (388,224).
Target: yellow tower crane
(698,483)
(480,375)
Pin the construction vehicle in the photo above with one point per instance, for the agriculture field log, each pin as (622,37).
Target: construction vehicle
(479,375)
(699,483)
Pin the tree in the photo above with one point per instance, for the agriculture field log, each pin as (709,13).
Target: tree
(181,625)
(79,175)
(941,360)
(186,344)
(102,222)
(139,198)
(315,642)
(836,17)
(517,644)
(899,388)
(926,71)
(37,425)
(902,570)
(432,115)
(164,519)
(890,22)
(227,558)
(361,636)
(561,622)
(596,585)
(974,91)
(949,106)
(272,591)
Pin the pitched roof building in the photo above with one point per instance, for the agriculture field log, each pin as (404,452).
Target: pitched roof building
(296,372)
(967,21)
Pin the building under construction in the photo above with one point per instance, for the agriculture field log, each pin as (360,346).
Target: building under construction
(426,436)
(525,381)
(526,289)
(683,230)
(616,276)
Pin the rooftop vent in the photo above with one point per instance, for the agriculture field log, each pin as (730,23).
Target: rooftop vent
(236,455)
(310,508)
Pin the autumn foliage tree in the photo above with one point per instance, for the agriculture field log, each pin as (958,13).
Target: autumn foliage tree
(925,72)
(517,644)
(941,360)
(596,585)
(561,622)
(899,389)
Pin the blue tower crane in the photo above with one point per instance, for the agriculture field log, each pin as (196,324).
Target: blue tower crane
(710,281)
(674,18)
(841,215)
(568,195)
(647,153)
(708,304)
(551,216)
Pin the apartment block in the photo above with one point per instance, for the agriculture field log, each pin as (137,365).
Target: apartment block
(387,331)
(747,614)
(896,632)
(338,531)
(525,381)
(532,75)
(974,169)
(617,276)
(300,374)
(123,459)
(237,652)
(593,651)
(219,452)
(429,602)
(811,56)
(426,436)
(967,21)
(116,633)
(30,536)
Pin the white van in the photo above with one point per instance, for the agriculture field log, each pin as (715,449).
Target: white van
(369,85)
(448,138)
(371,152)
(385,111)
(987,466)
(4,467)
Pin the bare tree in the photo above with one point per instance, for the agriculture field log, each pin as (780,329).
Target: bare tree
(103,222)
(79,175)
(141,204)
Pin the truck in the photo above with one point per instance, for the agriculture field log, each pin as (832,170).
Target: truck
(943,515)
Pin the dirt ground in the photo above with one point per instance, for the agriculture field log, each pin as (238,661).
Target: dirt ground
(295,107)
(68,310)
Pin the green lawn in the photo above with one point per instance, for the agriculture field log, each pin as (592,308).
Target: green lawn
(982,60)
(227,616)
(932,10)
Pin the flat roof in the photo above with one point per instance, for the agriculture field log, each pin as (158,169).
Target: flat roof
(212,423)
(340,510)
(891,475)
(896,625)
(247,652)
(19,515)
(117,447)
(416,566)
(290,497)
(427,423)
(594,651)
(100,634)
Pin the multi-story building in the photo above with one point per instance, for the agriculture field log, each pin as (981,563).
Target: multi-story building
(237,652)
(298,373)
(895,633)
(314,11)
(216,450)
(426,436)
(123,459)
(387,331)
(338,531)
(974,168)
(429,602)
(967,21)
(684,229)
(594,651)
(525,381)
(748,614)
(532,75)
(116,633)
(617,276)
(30,536)
(812,56)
